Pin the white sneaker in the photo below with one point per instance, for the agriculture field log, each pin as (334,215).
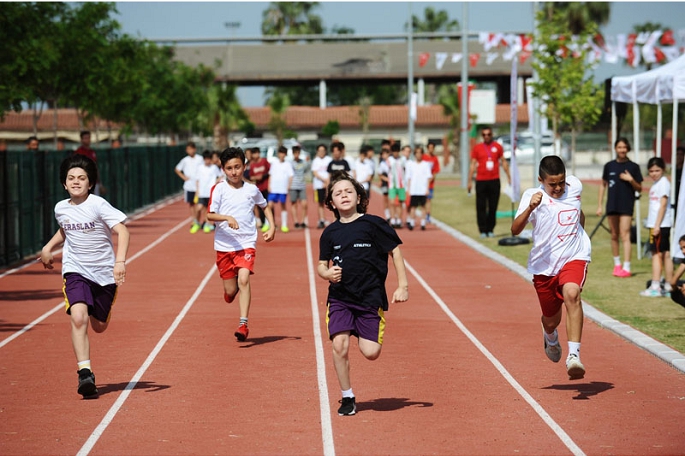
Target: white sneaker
(574,367)
(651,293)
(553,352)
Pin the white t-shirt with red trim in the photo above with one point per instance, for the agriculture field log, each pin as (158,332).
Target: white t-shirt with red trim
(558,236)
(659,189)
(239,203)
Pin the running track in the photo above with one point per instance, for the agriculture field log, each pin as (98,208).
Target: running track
(462,369)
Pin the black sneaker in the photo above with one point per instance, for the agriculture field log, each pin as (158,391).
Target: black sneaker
(86,384)
(321,225)
(410,226)
(348,407)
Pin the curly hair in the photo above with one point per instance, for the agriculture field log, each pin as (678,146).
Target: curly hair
(340,176)
(79,161)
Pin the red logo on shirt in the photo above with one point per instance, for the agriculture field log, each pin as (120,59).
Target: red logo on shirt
(568,217)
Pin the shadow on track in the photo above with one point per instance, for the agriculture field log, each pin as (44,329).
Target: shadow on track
(585,390)
(31,295)
(267,340)
(10,327)
(388,404)
(149,387)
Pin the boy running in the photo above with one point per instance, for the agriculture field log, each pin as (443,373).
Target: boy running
(187,170)
(298,188)
(559,257)
(231,206)
(320,180)
(419,176)
(91,270)
(280,180)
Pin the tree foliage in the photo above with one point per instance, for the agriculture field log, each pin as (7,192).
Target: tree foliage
(578,16)
(291,18)
(433,21)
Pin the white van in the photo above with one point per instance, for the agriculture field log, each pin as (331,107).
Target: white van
(269,147)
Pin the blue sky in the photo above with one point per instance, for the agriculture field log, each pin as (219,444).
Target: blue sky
(160,20)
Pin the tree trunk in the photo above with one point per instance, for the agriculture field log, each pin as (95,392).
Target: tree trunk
(54,124)
(573,150)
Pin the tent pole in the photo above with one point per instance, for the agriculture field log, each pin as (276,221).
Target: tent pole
(614,130)
(636,141)
(674,146)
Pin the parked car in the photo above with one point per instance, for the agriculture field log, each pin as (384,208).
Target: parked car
(269,148)
(525,147)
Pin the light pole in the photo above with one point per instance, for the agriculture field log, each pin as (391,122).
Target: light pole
(410,78)
(464,108)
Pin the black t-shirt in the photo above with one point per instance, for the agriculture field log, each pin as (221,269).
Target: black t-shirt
(338,165)
(361,249)
(620,194)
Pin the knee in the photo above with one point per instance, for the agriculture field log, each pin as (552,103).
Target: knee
(341,346)
(98,326)
(372,355)
(572,297)
(79,318)
(243,281)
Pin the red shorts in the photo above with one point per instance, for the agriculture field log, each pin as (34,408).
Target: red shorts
(549,288)
(229,263)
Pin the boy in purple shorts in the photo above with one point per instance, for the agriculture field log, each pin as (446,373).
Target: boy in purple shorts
(91,270)
(353,257)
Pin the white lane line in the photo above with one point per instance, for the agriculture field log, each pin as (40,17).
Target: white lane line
(563,436)
(61,304)
(324,404)
(100,429)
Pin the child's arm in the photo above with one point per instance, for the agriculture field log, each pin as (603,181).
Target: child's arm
(521,221)
(663,202)
(271,232)
(677,274)
(582,219)
(122,249)
(602,187)
(333,274)
(402,292)
(214,217)
(46,253)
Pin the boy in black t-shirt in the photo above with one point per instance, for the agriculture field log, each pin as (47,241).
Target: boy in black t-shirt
(353,257)
(338,163)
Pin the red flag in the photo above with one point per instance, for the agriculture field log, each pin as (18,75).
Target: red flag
(526,41)
(523,56)
(658,55)
(473,58)
(667,38)
(423,59)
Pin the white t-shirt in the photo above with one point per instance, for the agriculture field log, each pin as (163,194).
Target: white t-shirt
(279,175)
(189,166)
(397,177)
(419,175)
(320,166)
(207,177)
(364,171)
(239,203)
(558,236)
(661,188)
(88,248)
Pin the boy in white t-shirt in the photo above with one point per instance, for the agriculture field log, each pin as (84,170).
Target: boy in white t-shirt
(91,270)
(419,175)
(363,169)
(559,257)
(320,180)
(187,170)
(231,207)
(207,176)
(659,222)
(280,179)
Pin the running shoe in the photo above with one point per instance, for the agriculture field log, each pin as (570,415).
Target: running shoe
(86,384)
(553,352)
(321,225)
(208,228)
(620,272)
(297,225)
(265,228)
(242,332)
(574,367)
(347,407)
(651,293)
(285,229)
(423,227)
(195,228)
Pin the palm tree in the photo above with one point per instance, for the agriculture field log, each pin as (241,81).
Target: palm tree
(433,22)
(291,18)
(579,14)
(278,102)
(226,114)
(447,97)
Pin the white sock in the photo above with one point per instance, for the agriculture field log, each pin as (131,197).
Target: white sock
(387,213)
(626,266)
(617,261)
(347,393)
(284,218)
(574,348)
(423,222)
(84,365)
(552,339)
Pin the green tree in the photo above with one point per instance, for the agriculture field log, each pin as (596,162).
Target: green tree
(565,80)
(447,97)
(278,103)
(433,21)
(226,113)
(578,16)
(291,18)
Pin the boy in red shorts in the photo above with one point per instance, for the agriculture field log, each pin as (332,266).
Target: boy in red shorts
(559,257)
(231,207)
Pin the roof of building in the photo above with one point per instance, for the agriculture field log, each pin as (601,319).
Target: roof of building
(67,119)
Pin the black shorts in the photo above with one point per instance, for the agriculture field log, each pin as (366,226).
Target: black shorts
(417,201)
(190,197)
(660,243)
(320,196)
(203,202)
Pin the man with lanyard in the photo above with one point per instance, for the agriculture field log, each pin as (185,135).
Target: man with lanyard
(485,161)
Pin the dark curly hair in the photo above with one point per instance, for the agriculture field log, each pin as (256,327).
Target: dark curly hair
(79,161)
(230,153)
(339,176)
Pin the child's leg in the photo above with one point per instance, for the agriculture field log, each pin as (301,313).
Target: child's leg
(668,266)
(284,216)
(341,359)
(574,311)
(230,289)
(79,331)
(245,292)
(657,261)
(625,222)
(303,205)
(370,349)
(614,228)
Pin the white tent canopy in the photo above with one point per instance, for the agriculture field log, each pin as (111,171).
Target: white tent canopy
(665,84)
(660,85)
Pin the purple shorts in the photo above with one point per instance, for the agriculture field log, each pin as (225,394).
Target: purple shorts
(364,322)
(98,298)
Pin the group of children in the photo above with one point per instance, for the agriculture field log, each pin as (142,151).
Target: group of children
(353,253)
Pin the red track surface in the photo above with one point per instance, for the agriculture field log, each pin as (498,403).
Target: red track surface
(433,391)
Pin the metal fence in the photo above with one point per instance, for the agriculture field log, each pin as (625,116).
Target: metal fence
(133,176)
